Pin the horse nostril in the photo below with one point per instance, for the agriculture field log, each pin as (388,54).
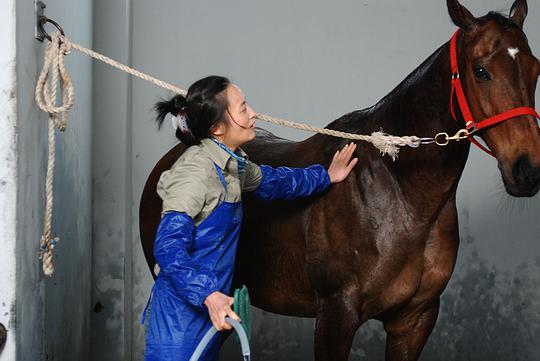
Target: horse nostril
(524,173)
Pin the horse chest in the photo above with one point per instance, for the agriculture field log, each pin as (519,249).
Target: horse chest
(408,264)
(423,274)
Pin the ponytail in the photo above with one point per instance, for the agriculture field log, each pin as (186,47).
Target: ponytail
(164,107)
(202,108)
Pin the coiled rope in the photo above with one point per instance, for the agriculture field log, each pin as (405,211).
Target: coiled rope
(53,72)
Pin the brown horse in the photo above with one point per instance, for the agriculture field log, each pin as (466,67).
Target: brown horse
(383,244)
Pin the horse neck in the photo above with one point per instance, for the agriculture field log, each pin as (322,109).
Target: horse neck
(418,106)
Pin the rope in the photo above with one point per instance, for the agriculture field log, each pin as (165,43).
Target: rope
(53,72)
(386,144)
(125,68)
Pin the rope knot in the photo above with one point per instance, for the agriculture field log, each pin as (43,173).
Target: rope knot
(53,72)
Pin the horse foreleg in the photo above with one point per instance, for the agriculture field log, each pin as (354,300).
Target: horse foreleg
(408,333)
(336,323)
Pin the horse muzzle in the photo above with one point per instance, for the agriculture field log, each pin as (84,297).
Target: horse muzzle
(525,178)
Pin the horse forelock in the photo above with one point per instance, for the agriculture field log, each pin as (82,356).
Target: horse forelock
(500,19)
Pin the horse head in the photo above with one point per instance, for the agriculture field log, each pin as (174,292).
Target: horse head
(499,73)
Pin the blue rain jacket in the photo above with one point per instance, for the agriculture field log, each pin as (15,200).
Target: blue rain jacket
(195,261)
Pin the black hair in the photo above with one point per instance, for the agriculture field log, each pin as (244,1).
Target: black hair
(204,105)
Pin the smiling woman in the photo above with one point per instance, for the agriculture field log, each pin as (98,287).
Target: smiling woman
(195,244)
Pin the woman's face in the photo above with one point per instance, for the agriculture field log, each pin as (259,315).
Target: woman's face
(239,127)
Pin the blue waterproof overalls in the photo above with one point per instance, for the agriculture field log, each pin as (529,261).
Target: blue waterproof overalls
(196,261)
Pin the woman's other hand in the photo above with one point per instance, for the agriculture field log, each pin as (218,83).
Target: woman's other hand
(342,164)
(219,306)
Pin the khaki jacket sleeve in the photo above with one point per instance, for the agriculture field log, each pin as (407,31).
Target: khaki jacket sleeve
(183,188)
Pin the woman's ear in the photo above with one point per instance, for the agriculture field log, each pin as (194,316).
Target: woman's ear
(218,129)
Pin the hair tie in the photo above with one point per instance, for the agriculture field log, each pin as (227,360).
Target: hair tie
(180,121)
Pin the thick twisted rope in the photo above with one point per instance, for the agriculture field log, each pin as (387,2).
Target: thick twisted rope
(386,144)
(46,97)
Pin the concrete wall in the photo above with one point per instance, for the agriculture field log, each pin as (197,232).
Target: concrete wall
(308,61)
(52,315)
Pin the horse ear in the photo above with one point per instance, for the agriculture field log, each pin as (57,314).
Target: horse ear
(518,12)
(460,15)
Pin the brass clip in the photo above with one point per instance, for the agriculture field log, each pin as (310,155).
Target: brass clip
(443,139)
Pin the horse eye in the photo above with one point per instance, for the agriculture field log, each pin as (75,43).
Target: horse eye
(481,73)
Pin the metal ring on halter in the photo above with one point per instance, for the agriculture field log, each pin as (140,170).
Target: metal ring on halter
(472,130)
(444,141)
(41,26)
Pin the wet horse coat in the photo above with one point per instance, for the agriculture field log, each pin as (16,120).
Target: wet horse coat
(383,243)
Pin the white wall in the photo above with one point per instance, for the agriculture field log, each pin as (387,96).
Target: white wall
(8,178)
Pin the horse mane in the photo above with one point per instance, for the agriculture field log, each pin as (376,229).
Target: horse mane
(349,122)
(264,134)
(500,19)
(413,77)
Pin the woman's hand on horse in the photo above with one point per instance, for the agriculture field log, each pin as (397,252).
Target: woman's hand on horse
(342,164)
(219,306)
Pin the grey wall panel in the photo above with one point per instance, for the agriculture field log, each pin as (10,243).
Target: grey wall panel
(111,178)
(313,61)
(53,314)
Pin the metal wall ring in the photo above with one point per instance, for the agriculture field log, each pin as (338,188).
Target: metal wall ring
(42,21)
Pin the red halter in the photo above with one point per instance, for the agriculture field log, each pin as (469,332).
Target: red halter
(471,125)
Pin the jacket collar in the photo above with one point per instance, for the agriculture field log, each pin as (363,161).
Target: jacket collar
(218,155)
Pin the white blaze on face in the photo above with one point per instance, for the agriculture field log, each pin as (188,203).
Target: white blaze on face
(513,52)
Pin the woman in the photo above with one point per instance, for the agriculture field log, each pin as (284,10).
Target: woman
(196,240)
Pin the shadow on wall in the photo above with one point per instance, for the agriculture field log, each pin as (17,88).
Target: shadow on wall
(486,314)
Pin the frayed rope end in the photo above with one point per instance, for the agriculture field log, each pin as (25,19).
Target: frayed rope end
(46,254)
(382,142)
